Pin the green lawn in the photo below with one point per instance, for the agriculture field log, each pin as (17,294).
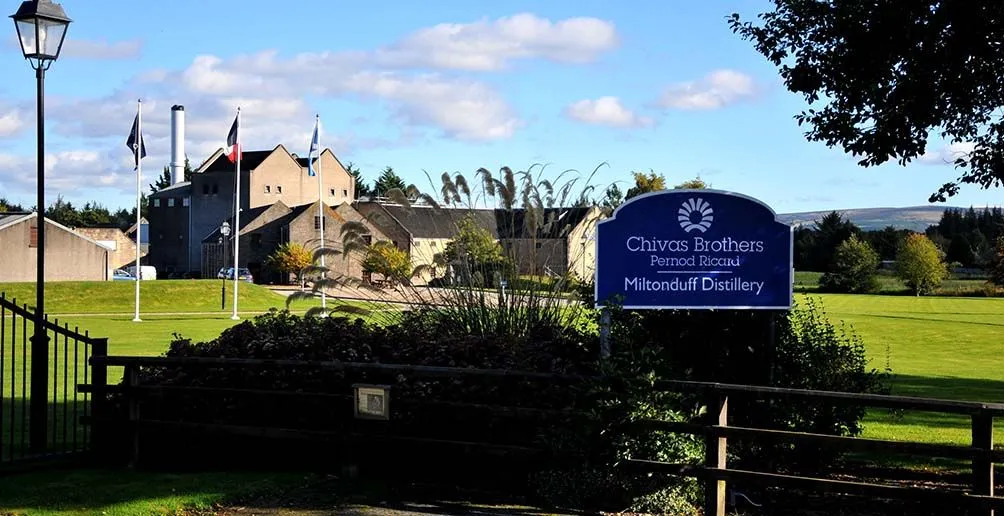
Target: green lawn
(937,347)
(127,493)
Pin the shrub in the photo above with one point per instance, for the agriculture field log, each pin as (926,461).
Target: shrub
(290,258)
(385,259)
(853,269)
(920,265)
(997,265)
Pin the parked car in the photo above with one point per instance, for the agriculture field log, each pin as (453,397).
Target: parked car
(243,274)
(122,275)
(146,272)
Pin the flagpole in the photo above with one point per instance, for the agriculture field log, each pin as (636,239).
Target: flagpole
(320,206)
(237,214)
(137,150)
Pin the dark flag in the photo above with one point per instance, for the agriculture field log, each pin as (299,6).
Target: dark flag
(134,135)
(233,145)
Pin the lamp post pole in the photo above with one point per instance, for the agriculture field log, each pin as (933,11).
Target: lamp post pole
(39,338)
(41,27)
(225,240)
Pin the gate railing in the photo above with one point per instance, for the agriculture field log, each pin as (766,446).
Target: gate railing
(68,353)
(715,473)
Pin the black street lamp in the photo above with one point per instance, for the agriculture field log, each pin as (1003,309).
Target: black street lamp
(224,239)
(41,26)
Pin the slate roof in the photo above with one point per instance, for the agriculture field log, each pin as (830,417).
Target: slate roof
(249,161)
(247,217)
(8,218)
(428,222)
(555,222)
(184,188)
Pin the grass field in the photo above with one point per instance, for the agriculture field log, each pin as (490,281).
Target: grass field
(941,347)
(889,284)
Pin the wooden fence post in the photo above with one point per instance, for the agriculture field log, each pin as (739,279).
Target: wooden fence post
(983,466)
(714,455)
(99,400)
(132,380)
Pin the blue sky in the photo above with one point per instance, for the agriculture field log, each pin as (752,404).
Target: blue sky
(452,86)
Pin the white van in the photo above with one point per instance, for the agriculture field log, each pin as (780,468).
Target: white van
(147,272)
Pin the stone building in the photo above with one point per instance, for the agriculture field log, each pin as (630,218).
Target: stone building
(69,256)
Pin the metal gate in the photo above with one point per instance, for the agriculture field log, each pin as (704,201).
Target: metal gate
(63,409)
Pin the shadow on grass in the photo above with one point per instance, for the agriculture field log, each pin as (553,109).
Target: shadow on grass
(949,387)
(131,492)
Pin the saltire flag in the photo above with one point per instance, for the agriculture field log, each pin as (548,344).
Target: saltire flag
(138,151)
(233,145)
(314,144)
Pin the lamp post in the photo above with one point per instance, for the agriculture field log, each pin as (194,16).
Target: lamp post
(225,232)
(41,26)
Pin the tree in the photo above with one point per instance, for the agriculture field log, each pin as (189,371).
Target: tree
(612,198)
(7,206)
(831,230)
(997,268)
(920,265)
(94,214)
(881,76)
(290,258)
(854,268)
(164,180)
(385,259)
(361,189)
(693,184)
(63,212)
(476,249)
(643,183)
(388,180)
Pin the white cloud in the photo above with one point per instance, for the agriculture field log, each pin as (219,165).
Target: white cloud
(605,111)
(93,49)
(718,89)
(101,49)
(947,154)
(11,123)
(413,79)
(491,45)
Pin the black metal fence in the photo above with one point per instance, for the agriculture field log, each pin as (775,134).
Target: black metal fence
(68,353)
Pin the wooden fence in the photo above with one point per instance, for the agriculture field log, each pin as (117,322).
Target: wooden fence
(716,431)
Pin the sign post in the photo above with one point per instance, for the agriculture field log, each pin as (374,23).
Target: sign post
(694,250)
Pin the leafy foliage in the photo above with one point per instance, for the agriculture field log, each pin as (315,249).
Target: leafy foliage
(361,189)
(386,259)
(645,183)
(388,180)
(853,270)
(612,198)
(7,206)
(291,258)
(476,250)
(997,271)
(920,265)
(692,184)
(881,76)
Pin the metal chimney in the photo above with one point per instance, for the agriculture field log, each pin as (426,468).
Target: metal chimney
(177,144)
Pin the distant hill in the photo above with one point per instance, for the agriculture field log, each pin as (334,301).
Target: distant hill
(916,218)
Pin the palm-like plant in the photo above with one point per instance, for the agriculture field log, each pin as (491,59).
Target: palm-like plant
(518,300)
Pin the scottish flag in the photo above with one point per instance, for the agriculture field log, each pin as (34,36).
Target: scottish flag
(314,146)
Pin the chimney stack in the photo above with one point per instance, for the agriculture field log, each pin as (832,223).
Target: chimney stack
(177,144)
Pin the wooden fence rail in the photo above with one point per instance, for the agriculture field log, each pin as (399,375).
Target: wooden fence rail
(716,431)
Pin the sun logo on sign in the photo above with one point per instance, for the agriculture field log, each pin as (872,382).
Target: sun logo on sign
(696,214)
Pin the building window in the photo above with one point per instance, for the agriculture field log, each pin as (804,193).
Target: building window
(434,244)
(268,189)
(160,236)
(278,189)
(186,201)
(205,188)
(156,203)
(539,245)
(418,244)
(170,202)
(317,222)
(332,191)
(216,188)
(33,236)
(255,240)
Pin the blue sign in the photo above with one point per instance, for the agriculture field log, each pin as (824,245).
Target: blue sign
(694,249)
